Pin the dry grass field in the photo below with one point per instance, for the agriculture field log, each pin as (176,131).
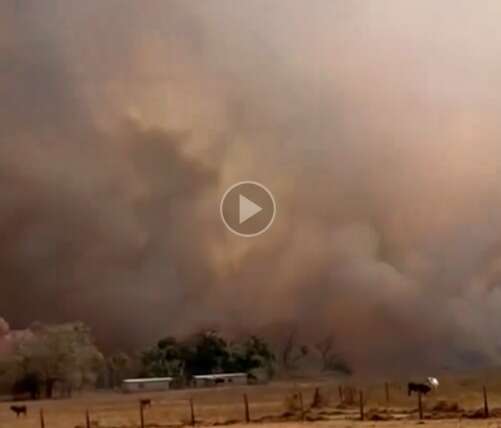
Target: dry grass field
(458,403)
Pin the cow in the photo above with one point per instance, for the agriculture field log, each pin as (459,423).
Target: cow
(422,388)
(19,410)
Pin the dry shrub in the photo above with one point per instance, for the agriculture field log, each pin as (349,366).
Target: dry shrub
(349,395)
(496,412)
(475,414)
(446,406)
(316,418)
(93,424)
(292,402)
(378,415)
(225,422)
(336,412)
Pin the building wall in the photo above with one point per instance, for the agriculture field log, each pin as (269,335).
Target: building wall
(240,380)
(145,386)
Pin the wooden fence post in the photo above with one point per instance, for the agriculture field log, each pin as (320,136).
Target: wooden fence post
(361,398)
(192,412)
(42,419)
(87,419)
(141,414)
(387,392)
(340,391)
(420,405)
(301,404)
(486,403)
(246,405)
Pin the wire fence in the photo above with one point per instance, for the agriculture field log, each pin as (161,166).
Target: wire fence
(388,401)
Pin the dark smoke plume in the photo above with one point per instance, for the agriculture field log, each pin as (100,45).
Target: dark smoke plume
(375,125)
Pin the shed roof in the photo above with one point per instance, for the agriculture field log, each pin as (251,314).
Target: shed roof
(149,380)
(220,376)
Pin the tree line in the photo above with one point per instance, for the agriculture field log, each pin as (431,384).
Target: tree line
(207,352)
(58,359)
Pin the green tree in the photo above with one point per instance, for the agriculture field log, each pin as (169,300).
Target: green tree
(164,359)
(8,369)
(206,352)
(253,353)
(63,353)
(117,364)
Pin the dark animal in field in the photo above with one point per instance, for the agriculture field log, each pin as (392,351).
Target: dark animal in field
(420,388)
(19,410)
(145,402)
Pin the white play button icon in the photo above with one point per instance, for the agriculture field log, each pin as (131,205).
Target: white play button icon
(246,209)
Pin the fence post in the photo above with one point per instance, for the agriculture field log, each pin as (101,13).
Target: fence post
(42,419)
(420,405)
(301,404)
(141,414)
(361,398)
(387,392)
(317,401)
(486,403)
(192,412)
(87,419)
(246,405)
(340,391)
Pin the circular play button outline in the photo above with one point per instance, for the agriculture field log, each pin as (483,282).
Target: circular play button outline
(262,230)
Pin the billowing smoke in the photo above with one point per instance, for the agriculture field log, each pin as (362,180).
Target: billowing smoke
(375,125)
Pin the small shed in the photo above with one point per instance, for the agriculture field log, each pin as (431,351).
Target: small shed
(220,379)
(146,384)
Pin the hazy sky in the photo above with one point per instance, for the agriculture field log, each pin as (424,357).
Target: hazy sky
(375,124)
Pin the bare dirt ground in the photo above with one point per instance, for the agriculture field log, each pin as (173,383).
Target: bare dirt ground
(458,403)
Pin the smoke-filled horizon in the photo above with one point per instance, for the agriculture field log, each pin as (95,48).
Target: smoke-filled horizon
(374,124)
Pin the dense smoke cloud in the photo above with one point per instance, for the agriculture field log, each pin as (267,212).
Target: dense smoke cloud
(375,125)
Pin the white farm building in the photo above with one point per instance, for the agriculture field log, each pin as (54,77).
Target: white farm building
(220,378)
(146,384)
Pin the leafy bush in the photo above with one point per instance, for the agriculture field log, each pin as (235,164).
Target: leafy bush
(206,352)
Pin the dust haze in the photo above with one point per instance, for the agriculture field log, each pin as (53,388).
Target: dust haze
(375,124)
